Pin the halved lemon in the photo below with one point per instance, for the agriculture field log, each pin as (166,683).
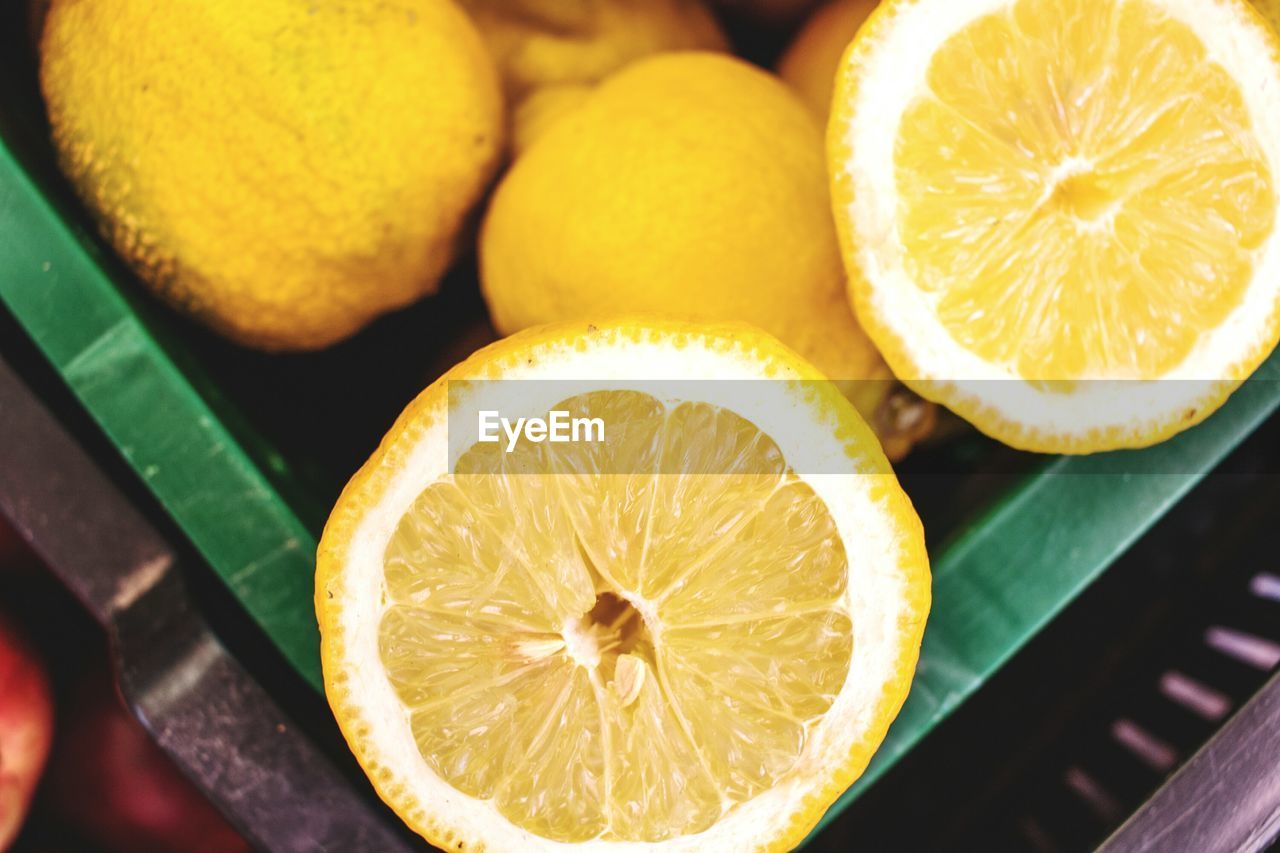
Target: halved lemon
(693,633)
(1059,216)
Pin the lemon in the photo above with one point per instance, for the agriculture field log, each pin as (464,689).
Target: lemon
(690,185)
(550,44)
(1270,10)
(1048,205)
(540,109)
(538,43)
(809,63)
(283,171)
(692,633)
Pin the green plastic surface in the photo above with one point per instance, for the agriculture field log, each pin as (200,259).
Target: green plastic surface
(996,584)
(1010,572)
(53,280)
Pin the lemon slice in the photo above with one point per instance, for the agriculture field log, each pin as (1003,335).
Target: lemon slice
(1048,205)
(692,633)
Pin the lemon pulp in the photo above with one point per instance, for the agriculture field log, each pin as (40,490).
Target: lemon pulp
(1081,191)
(619,640)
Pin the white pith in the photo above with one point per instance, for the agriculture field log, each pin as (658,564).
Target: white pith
(892,67)
(876,597)
(582,645)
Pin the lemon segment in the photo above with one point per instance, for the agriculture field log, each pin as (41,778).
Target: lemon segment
(540,43)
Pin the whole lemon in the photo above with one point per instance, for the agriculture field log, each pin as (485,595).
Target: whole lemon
(687,184)
(1270,10)
(810,61)
(549,50)
(285,171)
(538,43)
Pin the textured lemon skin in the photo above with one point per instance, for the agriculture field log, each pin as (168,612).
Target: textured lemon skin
(528,348)
(1270,10)
(549,52)
(810,62)
(283,171)
(540,109)
(538,43)
(690,185)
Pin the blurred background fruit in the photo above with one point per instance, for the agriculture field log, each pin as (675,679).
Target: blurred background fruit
(547,44)
(1270,10)
(810,61)
(26,727)
(112,784)
(11,548)
(284,203)
(105,787)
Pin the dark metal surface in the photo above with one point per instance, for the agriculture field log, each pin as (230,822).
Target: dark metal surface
(217,723)
(1226,799)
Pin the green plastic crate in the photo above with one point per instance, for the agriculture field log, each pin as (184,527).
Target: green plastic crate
(1000,577)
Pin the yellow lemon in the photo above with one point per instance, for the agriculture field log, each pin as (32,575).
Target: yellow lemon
(283,171)
(542,107)
(691,185)
(809,66)
(1270,10)
(548,44)
(675,636)
(1059,216)
(810,61)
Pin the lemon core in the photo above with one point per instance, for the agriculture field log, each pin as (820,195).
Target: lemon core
(1082,194)
(611,628)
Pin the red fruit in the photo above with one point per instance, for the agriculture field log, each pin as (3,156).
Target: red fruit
(108,780)
(26,728)
(10,546)
(17,562)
